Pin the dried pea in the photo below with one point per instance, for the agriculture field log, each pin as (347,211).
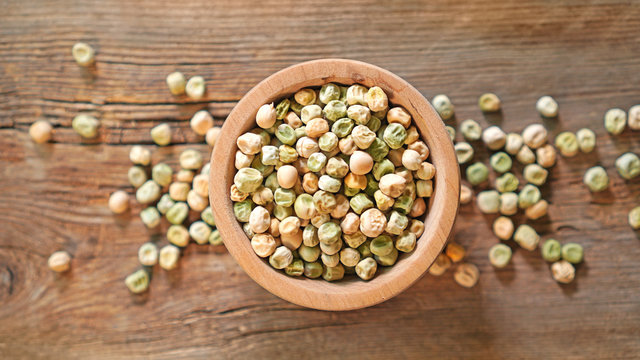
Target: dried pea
(567,143)
(138,282)
(83,54)
(586,140)
(443,106)
(489,201)
(526,237)
(534,136)
(494,138)
(535,174)
(628,165)
(513,143)
(334,110)
(466,275)
(477,173)
(178,235)
(440,265)
(508,203)
(281,258)
(489,102)
(572,253)
(563,272)
(169,256)
(86,126)
(195,87)
(507,182)
(366,268)
(395,135)
(148,192)
(119,202)
(615,120)
(471,130)
(537,210)
(161,134)
(501,162)
(500,255)
(148,254)
(150,217)
(551,250)
(634,218)
(387,260)
(162,174)
(546,156)
(464,152)
(176,83)
(529,195)
(596,179)
(191,159)
(59,261)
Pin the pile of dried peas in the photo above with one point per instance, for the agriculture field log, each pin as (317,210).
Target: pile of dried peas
(332,181)
(503,200)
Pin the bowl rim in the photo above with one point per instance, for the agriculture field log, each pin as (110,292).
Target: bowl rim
(443,205)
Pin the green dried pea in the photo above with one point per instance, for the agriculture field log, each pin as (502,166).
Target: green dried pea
(178,235)
(248,180)
(551,250)
(366,268)
(501,162)
(477,173)
(296,268)
(150,217)
(281,258)
(507,183)
(471,130)
(526,237)
(178,213)
(137,282)
(397,223)
(207,216)
(374,123)
(586,140)
(615,120)
(287,154)
(406,242)
(215,239)
(489,201)
(500,255)
(85,125)
(137,176)
(165,203)
(329,233)
(242,210)
(162,174)
(489,102)
(529,195)
(282,212)
(567,143)
(334,110)
(360,202)
(387,260)
(464,152)
(328,142)
(329,92)
(313,270)
(342,127)
(161,134)
(148,192)
(572,253)
(381,245)
(395,135)
(596,179)
(535,174)
(310,112)
(333,273)
(317,161)
(378,149)
(628,165)
(284,197)
(443,106)
(452,132)
(382,168)
(282,108)
(286,134)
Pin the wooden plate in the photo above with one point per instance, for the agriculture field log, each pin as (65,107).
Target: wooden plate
(351,293)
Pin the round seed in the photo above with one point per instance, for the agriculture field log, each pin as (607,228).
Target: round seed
(615,121)
(59,261)
(140,155)
(628,166)
(489,102)
(563,272)
(547,107)
(586,140)
(634,218)
(534,136)
(466,275)
(464,152)
(500,255)
(443,106)
(471,130)
(86,126)
(148,254)
(201,122)
(596,179)
(551,250)
(40,131)
(196,87)
(501,162)
(503,228)
(119,202)
(567,143)
(494,138)
(138,282)
(572,253)
(169,256)
(161,134)
(83,54)
(176,83)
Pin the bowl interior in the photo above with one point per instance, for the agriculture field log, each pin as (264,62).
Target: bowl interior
(349,293)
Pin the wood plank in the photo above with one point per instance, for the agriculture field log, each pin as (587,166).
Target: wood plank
(54,196)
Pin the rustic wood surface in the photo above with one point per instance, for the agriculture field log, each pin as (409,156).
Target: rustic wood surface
(54,196)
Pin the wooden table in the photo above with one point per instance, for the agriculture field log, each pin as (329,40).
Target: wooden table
(54,196)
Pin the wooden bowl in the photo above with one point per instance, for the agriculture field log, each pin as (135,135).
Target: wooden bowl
(350,293)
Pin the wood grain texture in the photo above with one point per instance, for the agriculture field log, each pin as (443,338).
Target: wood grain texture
(54,196)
